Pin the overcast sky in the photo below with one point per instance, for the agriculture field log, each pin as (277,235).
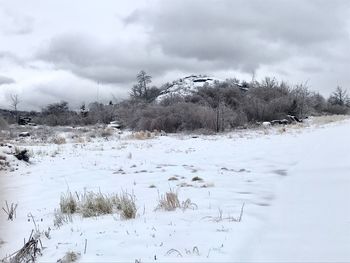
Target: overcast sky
(85,50)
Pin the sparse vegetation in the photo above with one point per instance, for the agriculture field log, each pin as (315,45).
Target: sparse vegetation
(28,253)
(58,140)
(60,218)
(70,257)
(170,202)
(92,204)
(10,210)
(127,206)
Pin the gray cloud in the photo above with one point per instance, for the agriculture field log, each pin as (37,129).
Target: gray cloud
(6,80)
(116,62)
(245,34)
(197,36)
(64,58)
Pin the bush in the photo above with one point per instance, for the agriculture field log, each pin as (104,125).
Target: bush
(337,109)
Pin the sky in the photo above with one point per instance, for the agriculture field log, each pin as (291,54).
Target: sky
(84,50)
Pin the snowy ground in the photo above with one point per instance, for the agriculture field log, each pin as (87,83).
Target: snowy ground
(294,184)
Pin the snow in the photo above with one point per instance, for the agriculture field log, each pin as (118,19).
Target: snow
(186,86)
(294,183)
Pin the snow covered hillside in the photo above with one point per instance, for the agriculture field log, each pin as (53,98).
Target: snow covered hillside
(272,194)
(186,86)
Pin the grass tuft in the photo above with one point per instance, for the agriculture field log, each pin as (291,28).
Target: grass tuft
(92,204)
(170,201)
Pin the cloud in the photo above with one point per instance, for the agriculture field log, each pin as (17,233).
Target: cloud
(245,34)
(68,59)
(6,80)
(13,23)
(117,61)
(205,36)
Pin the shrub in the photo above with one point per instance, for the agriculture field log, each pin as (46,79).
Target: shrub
(337,109)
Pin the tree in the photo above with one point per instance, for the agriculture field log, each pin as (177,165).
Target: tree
(141,90)
(56,114)
(14,104)
(339,97)
(56,108)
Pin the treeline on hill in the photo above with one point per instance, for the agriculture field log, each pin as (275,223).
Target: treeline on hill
(218,107)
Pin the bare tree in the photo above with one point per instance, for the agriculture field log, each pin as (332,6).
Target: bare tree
(143,79)
(14,104)
(340,97)
(140,89)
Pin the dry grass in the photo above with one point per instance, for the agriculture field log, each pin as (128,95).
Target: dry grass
(70,257)
(321,120)
(220,217)
(127,206)
(60,219)
(95,204)
(92,204)
(58,140)
(68,203)
(10,211)
(28,253)
(143,135)
(170,202)
(107,132)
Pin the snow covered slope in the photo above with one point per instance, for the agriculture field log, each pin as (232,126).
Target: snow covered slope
(186,86)
(294,182)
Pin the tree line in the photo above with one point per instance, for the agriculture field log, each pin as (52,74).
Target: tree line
(218,107)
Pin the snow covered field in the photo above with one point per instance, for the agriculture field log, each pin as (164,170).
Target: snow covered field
(294,183)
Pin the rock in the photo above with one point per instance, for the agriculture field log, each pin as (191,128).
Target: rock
(23,155)
(24,134)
